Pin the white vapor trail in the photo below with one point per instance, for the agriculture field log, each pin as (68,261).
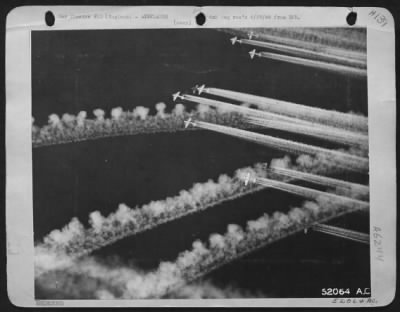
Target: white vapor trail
(342,233)
(98,280)
(236,243)
(228,107)
(70,128)
(316,130)
(319,179)
(305,52)
(343,69)
(303,41)
(350,162)
(89,278)
(76,241)
(208,290)
(309,193)
(346,121)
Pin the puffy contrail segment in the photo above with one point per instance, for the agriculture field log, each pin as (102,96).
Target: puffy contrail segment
(305,53)
(331,134)
(346,121)
(267,229)
(70,128)
(75,241)
(91,278)
(114,281)
(237,243)
(319,179)
(310,193)
(350,162)
(342,69)
(342,233)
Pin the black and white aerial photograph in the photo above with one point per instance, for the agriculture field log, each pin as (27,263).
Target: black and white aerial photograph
(200,163)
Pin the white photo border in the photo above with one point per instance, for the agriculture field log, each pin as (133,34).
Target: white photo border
(382,135)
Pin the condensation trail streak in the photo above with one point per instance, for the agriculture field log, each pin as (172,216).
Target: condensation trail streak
(70,128)
(241,249)
(348,161)
(308,192)
(305,52)
(76,241)
(319,131)
(342,233)
(357,72)
(197,262)
(327,181)
(306,44)
(243,110)
(346,121)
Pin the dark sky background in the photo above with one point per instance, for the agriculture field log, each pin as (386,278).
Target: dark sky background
(84,70)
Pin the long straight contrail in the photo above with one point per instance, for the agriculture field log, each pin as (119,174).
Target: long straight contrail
(342,233)
(350,162)
(223,106)
(346,121)
(309,193)
(303,52)
(331,134)
(318,179)
(307,44)
(357,72)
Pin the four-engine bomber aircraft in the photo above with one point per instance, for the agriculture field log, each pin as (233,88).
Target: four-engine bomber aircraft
(251,35)
(189,122)
(178,95)
(254,53)
(198,89)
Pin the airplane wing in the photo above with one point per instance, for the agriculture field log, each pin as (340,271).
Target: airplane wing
(201,89)
(177,95)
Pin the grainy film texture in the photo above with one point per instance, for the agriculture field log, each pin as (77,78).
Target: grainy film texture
(200,163)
